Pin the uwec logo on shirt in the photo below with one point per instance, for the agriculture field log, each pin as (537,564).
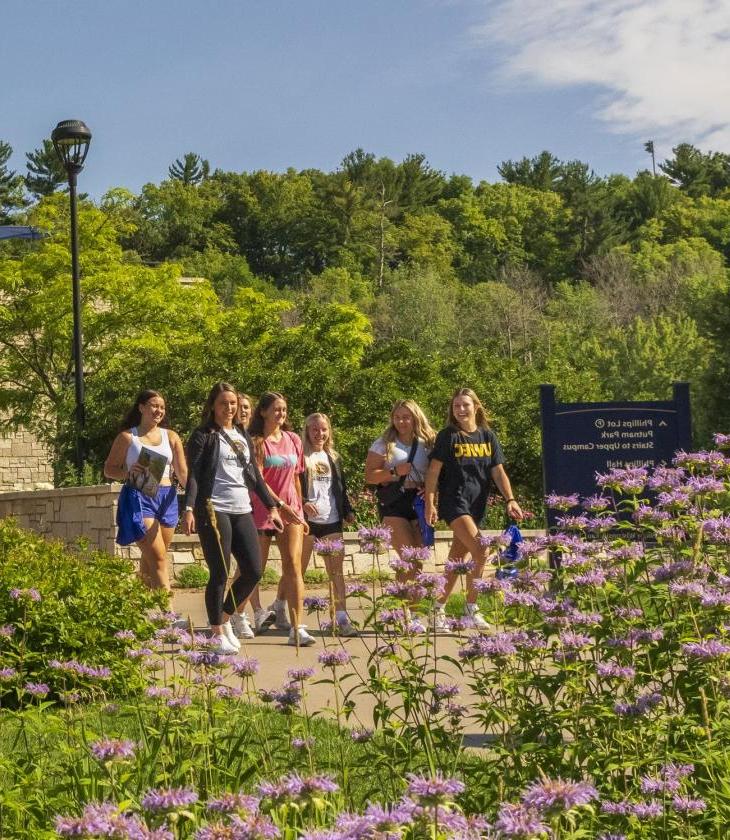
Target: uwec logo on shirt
(473,450)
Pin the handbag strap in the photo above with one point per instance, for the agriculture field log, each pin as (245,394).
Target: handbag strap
(236,447)
(409,460)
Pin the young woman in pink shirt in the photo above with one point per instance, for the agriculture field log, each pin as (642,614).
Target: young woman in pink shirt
(280,456)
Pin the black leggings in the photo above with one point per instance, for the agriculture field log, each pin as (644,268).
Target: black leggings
(236,535)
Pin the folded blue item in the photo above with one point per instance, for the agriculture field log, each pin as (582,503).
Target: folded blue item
(428,535)
(130,522)
(509,556)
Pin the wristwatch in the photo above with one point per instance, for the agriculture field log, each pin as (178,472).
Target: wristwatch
(394,472)
(278,503)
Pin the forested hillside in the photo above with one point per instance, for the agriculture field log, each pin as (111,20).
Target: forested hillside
(349,289)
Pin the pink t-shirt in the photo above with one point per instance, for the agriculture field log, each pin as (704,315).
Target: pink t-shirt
(283,461)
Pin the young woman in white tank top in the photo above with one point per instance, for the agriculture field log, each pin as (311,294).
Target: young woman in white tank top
(148,521)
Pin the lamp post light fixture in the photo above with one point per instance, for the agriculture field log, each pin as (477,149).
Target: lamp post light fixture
(71,139)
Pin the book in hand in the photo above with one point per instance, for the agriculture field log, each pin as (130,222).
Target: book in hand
(148,482)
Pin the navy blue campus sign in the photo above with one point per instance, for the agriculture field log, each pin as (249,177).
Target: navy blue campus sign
(581,439)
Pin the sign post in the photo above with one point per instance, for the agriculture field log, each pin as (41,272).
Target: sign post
(581,439)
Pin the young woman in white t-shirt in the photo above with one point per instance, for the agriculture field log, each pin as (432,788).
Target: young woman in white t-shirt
(387,462)
(326,506)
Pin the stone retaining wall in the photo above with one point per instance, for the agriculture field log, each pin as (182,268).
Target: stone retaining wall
(24,463)
(71,512)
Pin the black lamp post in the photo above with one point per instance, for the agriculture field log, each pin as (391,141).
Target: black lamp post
(71,140)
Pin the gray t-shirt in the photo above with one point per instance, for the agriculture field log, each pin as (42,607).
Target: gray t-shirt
(230,493)
(399,455)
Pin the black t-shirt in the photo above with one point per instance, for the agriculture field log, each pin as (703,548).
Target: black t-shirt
(465,477)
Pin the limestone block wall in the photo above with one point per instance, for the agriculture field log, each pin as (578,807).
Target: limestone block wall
(67,513)
(25,464)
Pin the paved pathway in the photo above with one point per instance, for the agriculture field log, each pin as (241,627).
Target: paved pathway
(277,657)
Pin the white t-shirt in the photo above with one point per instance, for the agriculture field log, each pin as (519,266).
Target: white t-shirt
(399,455)
(230,494)
(318,463)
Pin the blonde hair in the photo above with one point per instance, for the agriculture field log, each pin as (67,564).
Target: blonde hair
(307,443)
(422,429)
(482,418)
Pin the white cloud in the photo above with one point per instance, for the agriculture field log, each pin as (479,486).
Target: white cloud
(663,66)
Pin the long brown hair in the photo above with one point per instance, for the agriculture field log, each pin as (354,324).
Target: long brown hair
(256,426)
(482,418)
(219,388)
(133,417)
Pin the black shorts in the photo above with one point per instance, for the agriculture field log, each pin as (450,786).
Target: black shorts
(449,514)
(320,531)
(402,508)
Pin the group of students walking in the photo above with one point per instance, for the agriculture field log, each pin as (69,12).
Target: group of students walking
(249,479)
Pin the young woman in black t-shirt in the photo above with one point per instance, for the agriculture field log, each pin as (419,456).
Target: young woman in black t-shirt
(465,460)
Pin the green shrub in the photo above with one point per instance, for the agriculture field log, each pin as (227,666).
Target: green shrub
(63,605)
(377,575)
(192,576)
(316,576)
(270,577)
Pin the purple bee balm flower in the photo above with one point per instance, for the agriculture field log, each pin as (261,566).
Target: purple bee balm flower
(179,702)
(593,577)
(299,674)
(25,594)
(675,500)
(687,589)
(519,821)
(706,650)
(613,670)
(434,584)
(303,743)
(375,540)
(104,820)
(555,501)
(496,647)
(398,564)
(285,699)
(433,790)
(7,631)
(444,691)
(314,603)
(596,504)
(686,805)
(702,461)
(228,692)
(650,517)
(360,736)
(699,485)
(416,553)
(245,667)
(644,703)
(573,523)
(628,612)
(554,795)
(657,787)
(8,673)
(357,590)
(717,530)
(37,689)
(168,799)
(495,542)
(248,827)
(629,481)
(676,771)
(112,749)
(458,567)
(156,691)
(329,547)
(333,658)
(231,803)
(604,835)
(125,635)
(575,641)
(484,587)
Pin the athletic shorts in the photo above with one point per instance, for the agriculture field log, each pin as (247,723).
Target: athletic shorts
(163,507)
(448,513)
(320,531)
(402,508)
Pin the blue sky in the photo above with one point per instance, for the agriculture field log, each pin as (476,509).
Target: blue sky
(269,84)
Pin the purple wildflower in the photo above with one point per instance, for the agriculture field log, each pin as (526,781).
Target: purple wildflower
(168,799)
(7,631)
(125,635)
(433,790)
(25,594)
(644,703)
(459,567)
(686,805)
(706,649)
(333,658)
(356,590)
(300,674)
(375,540)
(596,504)
(327,548)
(8,673)
(630,481)
(519,821)
(415,554)
(434,584)
(230,803)
(37,689)
(615,671)
(315,603)
(303,743)
(179,702)
(495,542)
(245,667)
(552,795)
(112,749)
(555,501)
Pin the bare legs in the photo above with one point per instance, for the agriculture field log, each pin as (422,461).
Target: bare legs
(333,564)
(153,562)
(291,583)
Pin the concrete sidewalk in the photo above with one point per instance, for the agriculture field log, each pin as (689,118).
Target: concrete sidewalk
(276,657)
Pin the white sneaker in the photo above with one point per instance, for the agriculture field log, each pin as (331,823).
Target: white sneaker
(440,622)
(347,629)
(280,611)
(224,646)
(305,640)
(230,635)
(480,623)
(241,628)
(263,619)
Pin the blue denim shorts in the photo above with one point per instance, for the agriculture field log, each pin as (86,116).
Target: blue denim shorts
(163,507)
(134,507)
